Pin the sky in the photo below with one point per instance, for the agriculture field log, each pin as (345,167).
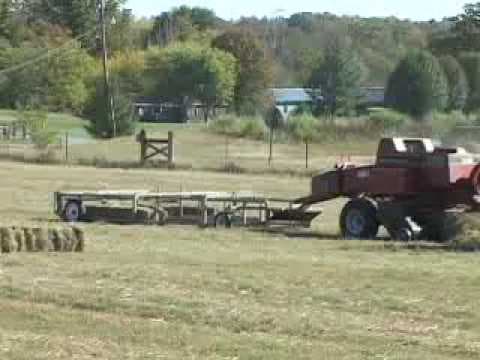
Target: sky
(226,9)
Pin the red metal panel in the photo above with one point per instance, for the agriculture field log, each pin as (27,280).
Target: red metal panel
(461,173)
(380,181)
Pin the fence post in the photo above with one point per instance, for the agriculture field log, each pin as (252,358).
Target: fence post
(306,154)
(227,143)
(66,147)
(142,139)
(171,148)
(270,152)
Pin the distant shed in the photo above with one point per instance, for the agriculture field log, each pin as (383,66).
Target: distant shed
(289,100)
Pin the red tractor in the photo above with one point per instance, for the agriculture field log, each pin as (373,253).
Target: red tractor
(409,190)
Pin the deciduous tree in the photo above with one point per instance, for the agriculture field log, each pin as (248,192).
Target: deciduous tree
(471,65)
(457,83)
(188,72)
(255,74)
(339,77)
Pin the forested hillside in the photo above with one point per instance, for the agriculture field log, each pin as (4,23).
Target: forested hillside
(296,43)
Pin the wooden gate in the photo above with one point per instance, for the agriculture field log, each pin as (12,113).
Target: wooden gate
(150,148)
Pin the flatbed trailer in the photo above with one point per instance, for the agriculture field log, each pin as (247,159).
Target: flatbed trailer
(219,209)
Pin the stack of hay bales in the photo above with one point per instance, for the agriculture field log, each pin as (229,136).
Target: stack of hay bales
(39,239)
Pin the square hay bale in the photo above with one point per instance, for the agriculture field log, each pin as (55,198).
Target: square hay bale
(19,239)
(68,239)
(29,239)
(57,239)
(467,237)
(7,241)
(41,240)
(79,245)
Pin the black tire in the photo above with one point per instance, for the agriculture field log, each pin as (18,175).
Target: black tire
(223,220)
(161,217)
(358,220)
(442,227)
(404,234)
(72,211)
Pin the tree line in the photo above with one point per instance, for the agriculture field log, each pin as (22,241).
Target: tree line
(188,54)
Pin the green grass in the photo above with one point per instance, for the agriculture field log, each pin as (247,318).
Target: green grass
(182,292)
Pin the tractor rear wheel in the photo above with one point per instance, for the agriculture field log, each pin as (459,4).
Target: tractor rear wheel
(358,220)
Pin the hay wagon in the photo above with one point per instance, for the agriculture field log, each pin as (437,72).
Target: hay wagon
(218,209)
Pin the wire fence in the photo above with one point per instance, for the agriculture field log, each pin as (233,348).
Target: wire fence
(206,152)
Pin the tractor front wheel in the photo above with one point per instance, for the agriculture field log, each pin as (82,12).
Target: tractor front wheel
(358,220)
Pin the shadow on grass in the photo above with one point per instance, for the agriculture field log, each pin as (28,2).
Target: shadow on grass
(296,233)
(383,242)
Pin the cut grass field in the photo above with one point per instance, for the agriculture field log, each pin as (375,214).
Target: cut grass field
(143,292)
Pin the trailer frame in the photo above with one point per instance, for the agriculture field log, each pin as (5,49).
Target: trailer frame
(225,209)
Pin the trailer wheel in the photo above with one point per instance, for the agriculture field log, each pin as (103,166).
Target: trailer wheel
(223,220)
(72,211)
(161,217)
(358,220)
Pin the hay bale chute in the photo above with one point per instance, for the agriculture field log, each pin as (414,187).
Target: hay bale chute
(39,239)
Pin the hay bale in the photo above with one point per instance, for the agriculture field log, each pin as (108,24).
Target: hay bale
(69,239)
(29,239)
(460,231)
(41,240)
(80,239)
(57,239)
(19,239)
(7,241)
(468,238)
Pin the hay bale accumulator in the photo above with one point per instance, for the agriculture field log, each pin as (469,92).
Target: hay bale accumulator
(411,190)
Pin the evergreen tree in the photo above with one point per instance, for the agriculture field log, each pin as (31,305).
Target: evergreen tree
(418,85)
(471,65)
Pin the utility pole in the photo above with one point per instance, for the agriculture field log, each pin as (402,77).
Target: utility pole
(102,29)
